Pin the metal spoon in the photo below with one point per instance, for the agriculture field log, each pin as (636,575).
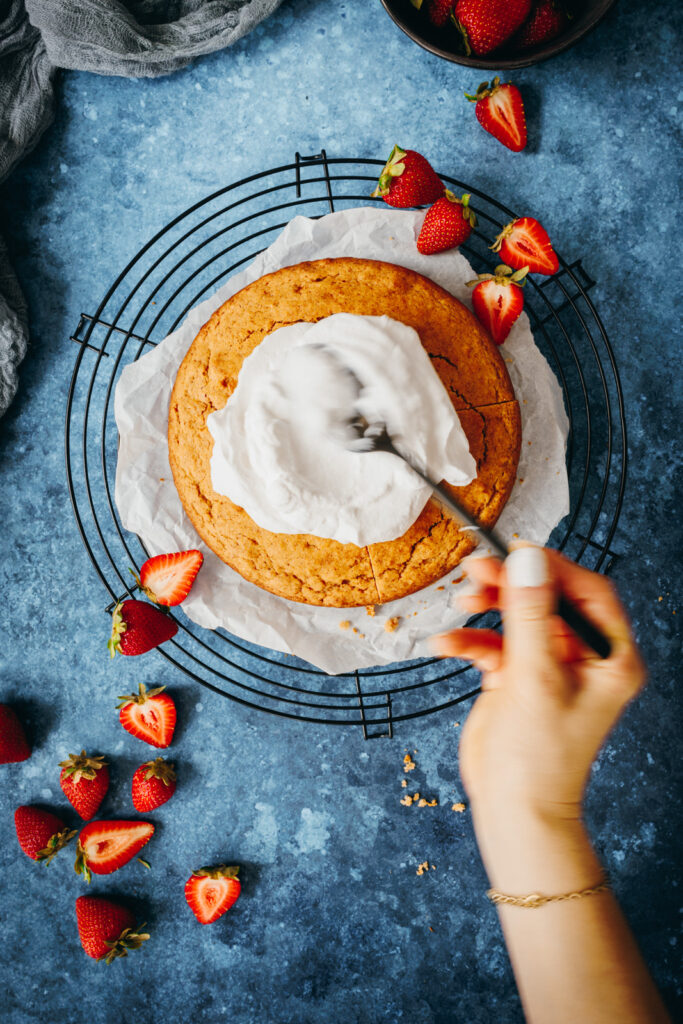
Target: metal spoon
(375,437)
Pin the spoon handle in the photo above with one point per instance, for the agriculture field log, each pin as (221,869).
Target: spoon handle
(567,611)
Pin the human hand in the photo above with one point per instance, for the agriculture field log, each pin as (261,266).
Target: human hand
(547,703)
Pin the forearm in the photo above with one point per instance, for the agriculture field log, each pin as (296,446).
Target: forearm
(574,960)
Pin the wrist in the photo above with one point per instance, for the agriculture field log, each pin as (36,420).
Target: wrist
(529,849)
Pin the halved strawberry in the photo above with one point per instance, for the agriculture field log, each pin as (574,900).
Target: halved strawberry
(525,243)
(168,579)
(106,929)
(105,846)
(150,715)
(41,834)
(500,111)
(85,781)
(408,179)
(153,784)
(212,891)
(137,627)
(498,300)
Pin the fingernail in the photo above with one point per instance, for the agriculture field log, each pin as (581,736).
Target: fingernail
(526,567)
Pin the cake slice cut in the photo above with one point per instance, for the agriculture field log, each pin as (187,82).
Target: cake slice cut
(435,544)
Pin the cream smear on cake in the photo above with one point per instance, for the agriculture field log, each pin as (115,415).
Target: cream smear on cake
(279,448)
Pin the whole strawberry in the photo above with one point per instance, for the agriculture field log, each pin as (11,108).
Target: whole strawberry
(548,18)
(153,784)
(106,929)
(137,627)
(408,180)
(13,743)
(498,300)
(41,834)
(85,781)
(447,223)
(486,24)
(525,243)
(439,11)
(150,715)
(500,111)
(212,891)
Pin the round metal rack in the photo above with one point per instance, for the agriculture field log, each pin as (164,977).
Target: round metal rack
(188,260)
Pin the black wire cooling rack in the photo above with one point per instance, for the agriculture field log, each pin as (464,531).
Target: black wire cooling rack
(188,260)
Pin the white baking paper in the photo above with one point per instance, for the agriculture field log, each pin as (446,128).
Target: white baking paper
(149,504)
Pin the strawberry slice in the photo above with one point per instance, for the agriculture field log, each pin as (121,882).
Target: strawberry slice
(168,579)
(106,929)
(212,891)
(500,111)
(105,846)
(498,300)
(137,627)
(525,243)
(150,715)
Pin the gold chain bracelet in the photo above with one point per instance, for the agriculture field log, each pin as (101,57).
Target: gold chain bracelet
(535,899)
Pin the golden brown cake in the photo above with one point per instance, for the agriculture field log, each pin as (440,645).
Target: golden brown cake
(312,569)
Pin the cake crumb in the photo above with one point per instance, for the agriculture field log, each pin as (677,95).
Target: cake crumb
(427,803)
(407,800)
(421,868)
(458,579)
(408,763)
(344,624)
(370,609)
(660,598)
(404,783)
(515,535)
(456,724)
(162,479)
(391,624)
(355,630)
(440,588)
(458,807)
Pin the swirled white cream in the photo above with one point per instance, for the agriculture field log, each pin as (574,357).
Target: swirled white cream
(279,449)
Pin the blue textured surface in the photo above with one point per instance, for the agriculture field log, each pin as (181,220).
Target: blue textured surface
(334,925)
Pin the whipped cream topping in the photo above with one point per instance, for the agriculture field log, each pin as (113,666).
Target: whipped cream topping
(280,443)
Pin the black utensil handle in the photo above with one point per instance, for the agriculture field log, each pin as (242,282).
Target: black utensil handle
(584,629)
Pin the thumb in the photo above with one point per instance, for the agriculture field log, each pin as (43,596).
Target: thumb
(528,606)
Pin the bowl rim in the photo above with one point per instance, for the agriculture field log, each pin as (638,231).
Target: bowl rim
(484,63)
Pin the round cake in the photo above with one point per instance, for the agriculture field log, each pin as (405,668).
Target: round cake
(312,569)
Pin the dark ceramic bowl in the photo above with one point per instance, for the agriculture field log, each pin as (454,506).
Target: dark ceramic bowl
(444,41)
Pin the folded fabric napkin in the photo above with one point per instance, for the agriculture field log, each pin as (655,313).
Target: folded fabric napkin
(137,38)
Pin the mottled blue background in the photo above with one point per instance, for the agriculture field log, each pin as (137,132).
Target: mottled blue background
(334,925)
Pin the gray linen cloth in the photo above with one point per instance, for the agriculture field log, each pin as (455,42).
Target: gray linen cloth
(136,38)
